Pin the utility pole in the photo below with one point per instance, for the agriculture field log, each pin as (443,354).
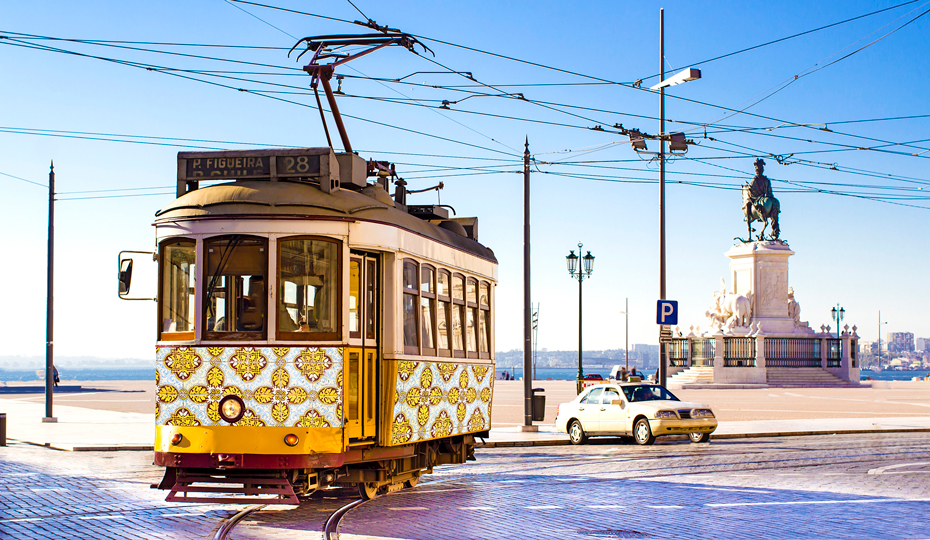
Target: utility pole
(527,305)
(50,296)
(663,351)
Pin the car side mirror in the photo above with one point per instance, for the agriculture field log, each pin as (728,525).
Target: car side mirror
(125,276)
(618,402)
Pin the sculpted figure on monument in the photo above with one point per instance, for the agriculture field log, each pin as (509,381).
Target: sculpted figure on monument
(759,204)
(729,310)
(794,308)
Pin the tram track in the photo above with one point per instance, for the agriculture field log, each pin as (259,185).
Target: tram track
(328,530)
(223,532)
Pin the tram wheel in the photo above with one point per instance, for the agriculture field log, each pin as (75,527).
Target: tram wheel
(412,482)
(367,490)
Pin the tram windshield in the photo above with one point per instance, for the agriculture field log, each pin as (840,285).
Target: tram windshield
(308,301)
(235,295)
(178,267)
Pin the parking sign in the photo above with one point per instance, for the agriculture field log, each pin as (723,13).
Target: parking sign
(667,312)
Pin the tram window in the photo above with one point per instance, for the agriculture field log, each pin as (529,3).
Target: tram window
(443,311)
(411,344)
(355,285)
(458,315)
(178,271)
(370,322)
(309,290)
(484,319)
(427,309)
(235,298)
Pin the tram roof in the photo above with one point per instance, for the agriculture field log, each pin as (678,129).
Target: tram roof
(256,198)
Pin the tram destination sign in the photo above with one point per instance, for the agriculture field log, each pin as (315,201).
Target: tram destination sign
(253,166)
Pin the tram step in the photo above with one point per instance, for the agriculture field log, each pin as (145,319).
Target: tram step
(263,490)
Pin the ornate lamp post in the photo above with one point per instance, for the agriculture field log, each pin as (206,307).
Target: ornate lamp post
(838,313)
(579,272)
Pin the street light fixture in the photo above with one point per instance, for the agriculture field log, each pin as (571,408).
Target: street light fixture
(682,77)
(579,272)
(838,313)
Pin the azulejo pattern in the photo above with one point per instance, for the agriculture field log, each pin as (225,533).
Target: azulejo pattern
(272,382)
(440,399)
(182,362)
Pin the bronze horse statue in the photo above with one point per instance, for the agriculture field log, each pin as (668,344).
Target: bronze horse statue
(764,209)
(759,204)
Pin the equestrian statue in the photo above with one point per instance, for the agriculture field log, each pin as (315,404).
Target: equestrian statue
(759,204)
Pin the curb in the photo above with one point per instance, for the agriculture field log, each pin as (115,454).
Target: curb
(565,442)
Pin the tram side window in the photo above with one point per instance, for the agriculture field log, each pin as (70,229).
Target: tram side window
(471,317)
(458,315)
(235,298)
(178,271)
(484,320)
(411,344)
(427,308)
(308,290)
(443,311)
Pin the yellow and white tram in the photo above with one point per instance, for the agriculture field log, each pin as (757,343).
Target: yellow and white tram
(314,331)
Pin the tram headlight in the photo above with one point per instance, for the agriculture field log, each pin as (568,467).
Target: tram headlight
(232,408)
(291,439)
(176,439)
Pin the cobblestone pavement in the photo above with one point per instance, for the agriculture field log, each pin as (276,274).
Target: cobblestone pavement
(46,493)
(843,486)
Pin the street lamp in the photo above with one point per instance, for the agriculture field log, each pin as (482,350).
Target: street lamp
(880,323)
(682,77)
(579,272)
(626,348)
(838,313)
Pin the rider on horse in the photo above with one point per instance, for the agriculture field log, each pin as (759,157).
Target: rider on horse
(761,204)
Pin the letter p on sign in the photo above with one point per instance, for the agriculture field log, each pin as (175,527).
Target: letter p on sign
(667,312)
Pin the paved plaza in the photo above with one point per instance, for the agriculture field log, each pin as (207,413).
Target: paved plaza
(865,474)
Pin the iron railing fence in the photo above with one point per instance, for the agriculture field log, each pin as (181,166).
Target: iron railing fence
(834,352)
(739,352)
(678,352)
(792,352)
(702,351)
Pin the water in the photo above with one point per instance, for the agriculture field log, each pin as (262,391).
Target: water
(888,375)
(569,374)
(88,374)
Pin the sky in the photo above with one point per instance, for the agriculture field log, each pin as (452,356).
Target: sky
(825,109)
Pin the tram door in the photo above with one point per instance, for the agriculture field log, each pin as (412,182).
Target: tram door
(362,354)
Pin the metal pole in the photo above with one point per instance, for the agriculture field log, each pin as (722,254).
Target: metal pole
(580,278)
(50,296)
(626,349)
(879,340)
(662,349)
(527,306)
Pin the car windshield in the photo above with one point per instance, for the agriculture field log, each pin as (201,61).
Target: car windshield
(647,392)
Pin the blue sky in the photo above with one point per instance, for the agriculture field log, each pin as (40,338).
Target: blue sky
(854,249)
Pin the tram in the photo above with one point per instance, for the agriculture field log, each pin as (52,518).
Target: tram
(313,330)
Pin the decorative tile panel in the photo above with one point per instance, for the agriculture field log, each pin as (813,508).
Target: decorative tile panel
(280,386)
(440,399)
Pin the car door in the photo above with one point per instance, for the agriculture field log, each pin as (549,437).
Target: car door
(589,409)
(612,418)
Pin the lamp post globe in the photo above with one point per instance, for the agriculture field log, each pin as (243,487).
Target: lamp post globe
(579,272)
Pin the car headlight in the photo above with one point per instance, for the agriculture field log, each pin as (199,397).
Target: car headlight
(666,414)
(232,408)
(702,413)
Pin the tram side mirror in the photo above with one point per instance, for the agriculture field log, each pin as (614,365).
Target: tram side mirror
(125,276)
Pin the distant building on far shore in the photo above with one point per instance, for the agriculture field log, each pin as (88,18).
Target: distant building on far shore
(900,341)
(923,344)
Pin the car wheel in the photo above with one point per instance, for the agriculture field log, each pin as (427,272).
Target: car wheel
(642,433)
(576,433)
(699,437)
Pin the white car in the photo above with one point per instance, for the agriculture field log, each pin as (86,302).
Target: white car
(643,410)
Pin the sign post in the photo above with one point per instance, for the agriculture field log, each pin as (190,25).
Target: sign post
(666,317)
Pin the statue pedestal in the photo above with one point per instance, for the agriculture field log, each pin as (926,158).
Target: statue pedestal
(760,272)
